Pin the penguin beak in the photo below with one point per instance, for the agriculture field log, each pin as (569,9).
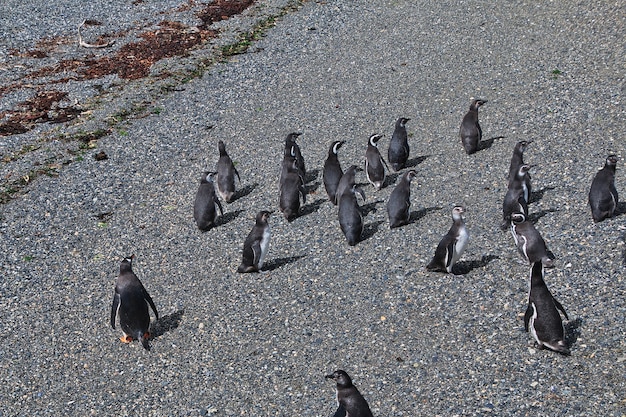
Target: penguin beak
(331,376)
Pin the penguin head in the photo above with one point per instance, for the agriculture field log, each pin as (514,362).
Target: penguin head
(523,144)
(210,176)
(127,263)
(291,138)
(222,148)
(374,139)
(334,148)
(410,174)
(523,170)
(357,190)
(475,103)
(341,378)
(518,218)
(262,216)
(611,160)
(402,121)
(457,212)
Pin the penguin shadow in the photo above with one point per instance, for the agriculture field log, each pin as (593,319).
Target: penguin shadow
(370,229)
(311,176)
(167,323)
(311,207)
(465,267)
(572,331)
(391,179)
(413,162)
(538,195)
(278,262)
(488,143)
(229,217)
(415,216)
(534,217)
(311,188)
(370,207)
(244,191)
(620,209)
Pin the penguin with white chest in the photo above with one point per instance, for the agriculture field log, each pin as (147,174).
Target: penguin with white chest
(226,172)
(452,245)
(292,149)
(603,197)
(398,151)
(291,189)
(542,316)
(256,245)
(206,203)
(517,160)
(332,171)
(470,131)
(529,242)
(517,195)
(130,304)
(349,400)
(400,201)
(374,163)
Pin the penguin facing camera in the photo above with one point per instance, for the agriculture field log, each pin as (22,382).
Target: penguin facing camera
(542,316)
(130,304)
(204,206)
(470,131)
(349,400)
(452,245)
(256,245)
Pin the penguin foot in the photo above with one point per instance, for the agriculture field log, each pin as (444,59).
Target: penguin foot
(126,339)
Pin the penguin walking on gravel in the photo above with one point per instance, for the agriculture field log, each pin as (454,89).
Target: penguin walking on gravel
(398,151)
(374,163)
(350,217)
(332,171)
(517,195)
(130,304)
(291,189)
(470,131)
(542,316)
(226,172)
(529,242)
(400,201)
(350,401)
(517,160)
(256,245)
(603,197)
(452,245)
(204,206)
(292,149)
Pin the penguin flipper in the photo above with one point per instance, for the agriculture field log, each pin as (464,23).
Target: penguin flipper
(527,316)
(360,191)
(450,252)
(114,307)
(256,250)
(303,193)
(147,297)
(237,173)
(560,307)
(384,163)
(341,412)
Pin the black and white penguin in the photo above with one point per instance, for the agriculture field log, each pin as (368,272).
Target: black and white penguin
(603,197)
(517,160)
(291,189)
(348,179)
(529,242)
(332,171)
(226,172)
(398,152)
(452,245)
(293,150)
(349,400)
(470,131)
(374,163)
(130,304)
(256,245)
(542,316)
(400,200)
(350,217)
(517,195)
(204,207)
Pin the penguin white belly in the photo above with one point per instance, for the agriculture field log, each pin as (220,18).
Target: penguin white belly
(265,244)
(531,324)
(459,246)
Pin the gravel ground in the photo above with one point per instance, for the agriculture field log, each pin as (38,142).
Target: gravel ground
(415,342)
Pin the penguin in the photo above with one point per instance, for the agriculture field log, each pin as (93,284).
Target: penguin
(332,171)
(603,197)
(292,149)
(350,217)
(204,211)
(290,191)
(470,131)
(130,304)
(452,245)
(517,160)
(374,163)
(226,172)
(398,151)
(542,316)
(256,245)
(350,401)
(529,242)
(517,195)
(346,182)
(400,201)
